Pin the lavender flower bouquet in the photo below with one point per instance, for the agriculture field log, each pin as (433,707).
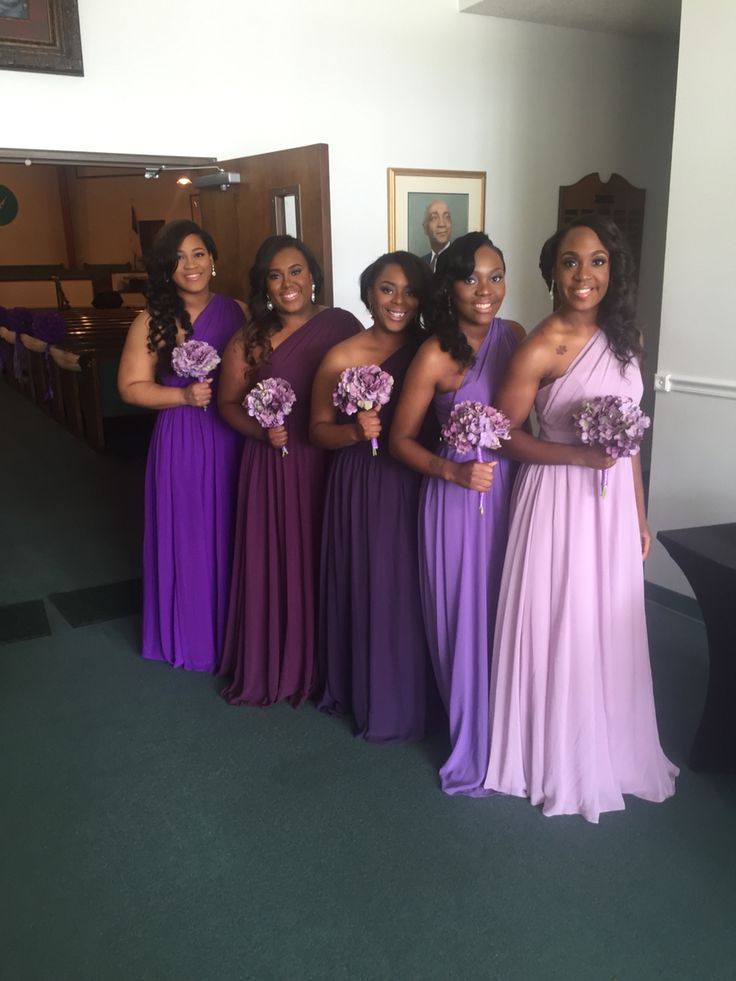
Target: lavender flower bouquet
(364,387)
(194,359)
(614,423)
(270,402)
(472,426)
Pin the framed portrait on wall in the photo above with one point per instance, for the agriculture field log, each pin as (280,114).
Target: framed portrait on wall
(40,36)
(427,209)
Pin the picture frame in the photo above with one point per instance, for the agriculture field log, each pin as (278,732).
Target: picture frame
(410,192)
(40,36)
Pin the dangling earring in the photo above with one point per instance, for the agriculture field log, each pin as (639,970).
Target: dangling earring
(552,290)
(214,272)
(269,304)
(314,293)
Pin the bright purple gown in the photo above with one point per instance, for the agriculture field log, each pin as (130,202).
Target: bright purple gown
(461,556)
(373,650)
(191,478)
(270,642)
(572,717)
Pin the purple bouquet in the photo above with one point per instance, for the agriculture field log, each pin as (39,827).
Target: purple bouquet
(614,423)
(194,359)
(270,402)
(364,387)
(472,426)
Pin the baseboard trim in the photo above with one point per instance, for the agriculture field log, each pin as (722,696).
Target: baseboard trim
(686,605)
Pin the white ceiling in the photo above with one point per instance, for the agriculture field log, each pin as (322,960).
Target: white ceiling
(644,17)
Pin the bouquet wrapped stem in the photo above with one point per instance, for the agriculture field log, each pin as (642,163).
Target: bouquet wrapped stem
(365,387)
(472,426)
(270,402)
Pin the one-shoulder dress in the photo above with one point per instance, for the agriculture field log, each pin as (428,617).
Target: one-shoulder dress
(373,650)
(270,642)
(191,479)
(461,556)
(572,717)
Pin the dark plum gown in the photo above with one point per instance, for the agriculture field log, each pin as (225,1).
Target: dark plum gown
(191,479)
(270,642)
(373,649)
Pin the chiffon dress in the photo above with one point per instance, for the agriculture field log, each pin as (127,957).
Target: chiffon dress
(373,649)
(461,557)
(270,644)
(191,479)
(572,717)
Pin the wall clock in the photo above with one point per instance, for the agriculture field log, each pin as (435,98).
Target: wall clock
(8,205)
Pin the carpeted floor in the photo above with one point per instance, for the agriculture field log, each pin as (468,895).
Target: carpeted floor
(151,832)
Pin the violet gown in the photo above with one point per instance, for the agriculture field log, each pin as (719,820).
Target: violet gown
(461,556)
(270,642)
(191,478)
(373,650)
(572,715)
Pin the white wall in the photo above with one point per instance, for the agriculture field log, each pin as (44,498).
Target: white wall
(694,453)
(410,84)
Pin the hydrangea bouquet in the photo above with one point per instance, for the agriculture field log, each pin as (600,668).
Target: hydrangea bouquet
(473,426)
(270,402)
(365,387)
(613,423)
(194,359)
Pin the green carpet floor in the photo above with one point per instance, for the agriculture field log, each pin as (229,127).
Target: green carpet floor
(151,832)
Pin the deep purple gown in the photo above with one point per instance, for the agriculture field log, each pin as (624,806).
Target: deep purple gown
(461,556)
(270,640)
(373,649)
(191,478)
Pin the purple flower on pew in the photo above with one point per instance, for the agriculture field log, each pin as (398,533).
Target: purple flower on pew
(472,425)
(364,387)
(613,423)
(270,402)
(50,327)
(19,320)
(3,323)
(194,359)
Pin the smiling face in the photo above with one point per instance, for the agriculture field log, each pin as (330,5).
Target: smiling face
(582,270)
(194,266)
(289,282)
(478,297)
(437,225)
(393,302)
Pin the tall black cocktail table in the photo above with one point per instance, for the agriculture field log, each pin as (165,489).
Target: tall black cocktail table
(707,556)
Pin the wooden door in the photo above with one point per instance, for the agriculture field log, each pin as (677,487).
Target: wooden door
(240,218)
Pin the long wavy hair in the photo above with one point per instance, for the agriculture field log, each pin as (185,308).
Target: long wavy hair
(265,323)
(616,314)
(418,276)
(456,263)
(165,307)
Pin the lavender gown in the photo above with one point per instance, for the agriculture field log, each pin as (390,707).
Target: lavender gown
(461,555)
(191,477)
(373,650)
(270,642)
(572,715)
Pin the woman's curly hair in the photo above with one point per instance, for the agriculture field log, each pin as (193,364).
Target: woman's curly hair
(617,310)
(165,307)
(418,276)
(456,263)
(265,323)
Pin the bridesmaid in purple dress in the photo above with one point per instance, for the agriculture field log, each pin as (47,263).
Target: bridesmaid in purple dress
(461,550)
(270,641)
(373,651)
(572,717)
(191,473)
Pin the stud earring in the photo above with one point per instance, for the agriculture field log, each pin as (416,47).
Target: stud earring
(314,293)
(214,271)
(269,303)
(552,290)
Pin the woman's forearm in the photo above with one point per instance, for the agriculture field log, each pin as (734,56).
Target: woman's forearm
(151,395)
(332,436)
